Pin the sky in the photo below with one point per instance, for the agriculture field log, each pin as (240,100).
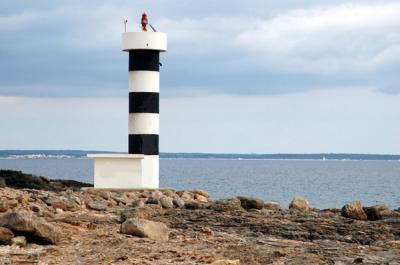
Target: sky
(256,76)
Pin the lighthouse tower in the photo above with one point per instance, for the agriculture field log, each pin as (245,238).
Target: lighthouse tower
(140,167)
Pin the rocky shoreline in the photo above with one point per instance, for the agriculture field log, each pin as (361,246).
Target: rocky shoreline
(88,226)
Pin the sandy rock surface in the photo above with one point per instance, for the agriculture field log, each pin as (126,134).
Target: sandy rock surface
(199,231)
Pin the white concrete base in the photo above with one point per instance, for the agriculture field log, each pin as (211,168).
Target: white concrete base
(125,171)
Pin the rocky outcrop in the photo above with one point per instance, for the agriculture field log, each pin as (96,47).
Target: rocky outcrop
(33,227)
(216,231)
(19,180)
(145,228)
(300,204)
(354,210)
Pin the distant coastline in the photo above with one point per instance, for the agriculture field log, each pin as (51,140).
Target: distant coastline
(15,154)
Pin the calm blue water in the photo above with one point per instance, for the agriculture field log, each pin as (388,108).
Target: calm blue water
(325,184)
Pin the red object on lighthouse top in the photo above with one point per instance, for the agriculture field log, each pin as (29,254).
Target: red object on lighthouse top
(144,22)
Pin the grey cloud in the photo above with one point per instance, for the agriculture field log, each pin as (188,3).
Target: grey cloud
(73,49)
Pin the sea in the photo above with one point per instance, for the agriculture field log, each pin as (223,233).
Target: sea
(325,183)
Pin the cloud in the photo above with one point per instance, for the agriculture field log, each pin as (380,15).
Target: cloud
(265,48)
(337,39)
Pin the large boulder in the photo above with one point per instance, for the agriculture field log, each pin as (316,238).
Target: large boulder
(33,227)
(145,228)
(354,210)
(5,235)
(251,203)
(376,212)
(300,204)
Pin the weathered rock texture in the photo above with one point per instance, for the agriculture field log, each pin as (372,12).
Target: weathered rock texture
(354,210)
(205,232)
(299,204)
(145,228)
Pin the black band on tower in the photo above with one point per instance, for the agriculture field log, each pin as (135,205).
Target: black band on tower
(144,102)
(144,60)
(146,144)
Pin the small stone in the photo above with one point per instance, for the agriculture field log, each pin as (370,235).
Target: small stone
(169,193)
(5,235)
(96,205)
(34,207)
(3,205)
(167,202)
(251,203)
(358,260)
(119,199)
(139,212)
(272,205)
(354,210)
(153,200)
(178,202)
(12,203)
(376,212)
(137,203)
(59,210)
(207,231)
(61,202)
(300,204)
(19,241)
(157,195)
(23,198)
(200,198)
(145,228)
(154,206)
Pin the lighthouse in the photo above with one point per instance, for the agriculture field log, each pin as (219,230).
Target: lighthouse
(139,168)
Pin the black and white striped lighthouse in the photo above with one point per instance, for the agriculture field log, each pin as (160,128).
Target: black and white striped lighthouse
(140,167)
(144,87)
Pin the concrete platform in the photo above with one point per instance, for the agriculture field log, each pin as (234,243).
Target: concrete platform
(125,171)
